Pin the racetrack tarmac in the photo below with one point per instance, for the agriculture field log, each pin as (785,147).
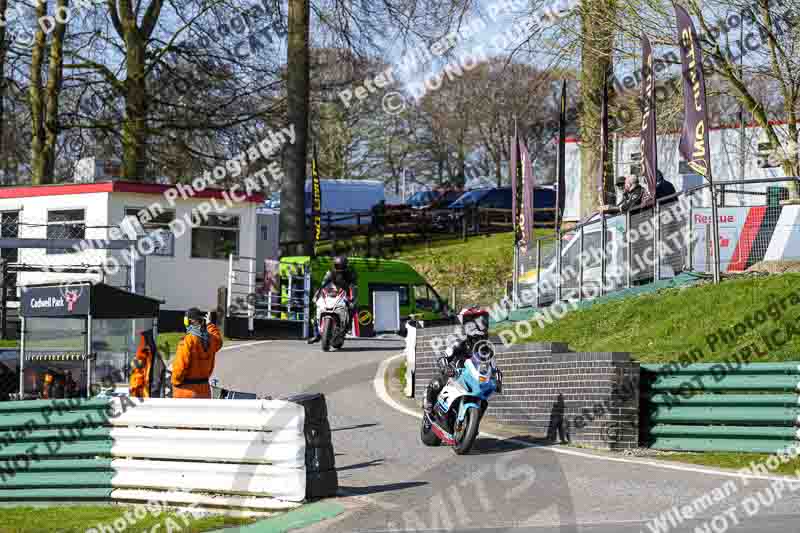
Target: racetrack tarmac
(389,481)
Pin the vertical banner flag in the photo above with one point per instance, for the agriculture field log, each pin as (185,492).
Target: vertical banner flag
(526,222)
(316,202)
(647,141)
(561,192)
(601,174)
(514,173)
(694,137)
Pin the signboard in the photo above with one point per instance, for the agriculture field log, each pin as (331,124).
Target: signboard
(739,228)
(56,301)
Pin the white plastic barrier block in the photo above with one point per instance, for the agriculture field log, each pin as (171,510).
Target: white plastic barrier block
(219,478)
(261,415)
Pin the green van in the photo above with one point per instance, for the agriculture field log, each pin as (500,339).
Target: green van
(417,297)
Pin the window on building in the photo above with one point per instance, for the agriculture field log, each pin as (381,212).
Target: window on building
(9,228)
(216,238)
(65,224)
(163,240)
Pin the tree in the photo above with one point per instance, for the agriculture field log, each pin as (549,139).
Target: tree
(44,99)
(292,215)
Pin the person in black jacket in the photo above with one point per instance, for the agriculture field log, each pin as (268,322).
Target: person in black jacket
(342,276)
(475,325)
(664,188)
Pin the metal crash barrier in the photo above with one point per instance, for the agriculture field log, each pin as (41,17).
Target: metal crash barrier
(720,407)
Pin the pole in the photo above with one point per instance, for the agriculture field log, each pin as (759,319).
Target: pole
(231,276)
(88,355)
(22,357)
(656,240)
(603,246)
(715,230)
(558,265)
(515,276)
(133,270)
(741,106)
(251,289)
(306,304)
(4,298)
(628,249)
(580,268)
(538,270)
(404,185)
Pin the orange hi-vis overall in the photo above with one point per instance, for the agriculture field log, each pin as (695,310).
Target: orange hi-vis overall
(193,365)
(141,366)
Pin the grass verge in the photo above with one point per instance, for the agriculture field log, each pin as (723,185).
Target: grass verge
(662,326)
(733,460)
(400,374)
(79,518)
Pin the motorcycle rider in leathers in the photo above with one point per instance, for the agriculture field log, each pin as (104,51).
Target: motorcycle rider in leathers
(475,323)
(343,277)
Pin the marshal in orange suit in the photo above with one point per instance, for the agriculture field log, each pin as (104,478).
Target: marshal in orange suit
(194,358)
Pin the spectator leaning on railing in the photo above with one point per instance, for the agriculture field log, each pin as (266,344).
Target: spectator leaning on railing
(632,193)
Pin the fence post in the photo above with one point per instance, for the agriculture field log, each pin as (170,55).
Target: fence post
(464,224)
(231,276)
(306,303)
(251,290)
(3,298)
(222,310)
(580,268)
(690,237)
(628,249)
(603,246)
(558,263)
(538,270)
(657,240)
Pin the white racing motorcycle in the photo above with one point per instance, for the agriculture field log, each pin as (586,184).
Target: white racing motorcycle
(332,317)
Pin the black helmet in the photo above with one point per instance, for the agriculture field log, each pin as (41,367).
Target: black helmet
(340,263)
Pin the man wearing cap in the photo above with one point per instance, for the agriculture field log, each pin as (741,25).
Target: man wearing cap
(194,358)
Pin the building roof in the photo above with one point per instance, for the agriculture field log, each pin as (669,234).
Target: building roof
(134,187)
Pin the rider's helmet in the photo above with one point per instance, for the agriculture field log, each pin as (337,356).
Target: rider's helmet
(340,264)
(475,321)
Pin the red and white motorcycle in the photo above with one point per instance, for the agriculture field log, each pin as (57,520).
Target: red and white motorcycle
(332,317)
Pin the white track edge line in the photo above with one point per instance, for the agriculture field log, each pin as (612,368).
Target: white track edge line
(380,390)
(243,345)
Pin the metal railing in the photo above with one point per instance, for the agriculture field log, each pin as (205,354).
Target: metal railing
(247,295)
(611,251)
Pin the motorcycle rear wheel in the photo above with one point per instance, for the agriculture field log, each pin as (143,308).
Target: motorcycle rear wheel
(467,437)
(326,325)
(427,436)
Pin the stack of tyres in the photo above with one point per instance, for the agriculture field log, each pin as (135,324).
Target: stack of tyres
(321,478)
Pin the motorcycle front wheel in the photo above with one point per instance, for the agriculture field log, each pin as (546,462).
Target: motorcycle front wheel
(465,438)
(326,325)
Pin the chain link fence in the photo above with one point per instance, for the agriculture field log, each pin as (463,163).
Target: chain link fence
(613,251)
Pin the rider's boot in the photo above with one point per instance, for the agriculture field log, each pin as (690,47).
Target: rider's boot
(431,392)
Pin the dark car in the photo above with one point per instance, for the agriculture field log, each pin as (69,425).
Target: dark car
(499,198)
(435,199)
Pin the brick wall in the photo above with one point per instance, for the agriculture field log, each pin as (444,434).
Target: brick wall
(583,398)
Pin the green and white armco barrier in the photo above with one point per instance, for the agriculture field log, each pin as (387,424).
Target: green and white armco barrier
(234,454)
(751,407)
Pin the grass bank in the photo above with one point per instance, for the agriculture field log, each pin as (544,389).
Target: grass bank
(79,518)
(660,327)
(479,268)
